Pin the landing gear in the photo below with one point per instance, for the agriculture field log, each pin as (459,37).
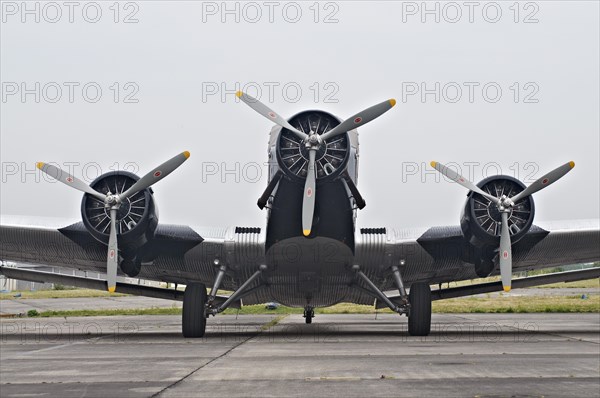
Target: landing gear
(193,317)
(419,318)
(309,314)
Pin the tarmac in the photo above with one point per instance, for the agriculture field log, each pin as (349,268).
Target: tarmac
(466,355)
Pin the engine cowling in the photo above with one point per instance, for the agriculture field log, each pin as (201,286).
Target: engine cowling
(480,219)
(137,217)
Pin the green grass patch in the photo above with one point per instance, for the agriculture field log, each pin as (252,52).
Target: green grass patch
(505,304)
(61,293)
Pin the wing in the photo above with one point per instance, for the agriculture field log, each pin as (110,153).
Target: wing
(442,254)
(177,254)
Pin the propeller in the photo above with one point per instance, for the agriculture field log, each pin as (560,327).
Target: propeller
(268,113)
(313,142)
(113,202)
(505,205)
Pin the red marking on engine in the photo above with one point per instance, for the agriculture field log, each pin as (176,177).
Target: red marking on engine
(461,179)
(272,115)
(309,192)
(505,254)
(358,120)
(545,181)
(157,173)
(111,254)
(69,179)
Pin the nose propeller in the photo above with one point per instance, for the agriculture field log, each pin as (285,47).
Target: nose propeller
(313,143)
(504,205)
(113,202)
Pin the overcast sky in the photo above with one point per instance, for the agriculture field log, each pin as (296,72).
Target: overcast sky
(517,88)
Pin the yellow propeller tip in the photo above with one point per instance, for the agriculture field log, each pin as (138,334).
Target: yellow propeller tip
(507,289)
(433,164)
(186,154)
(306,232)
(392,102)
(112,289)
(239,94)
(39,165)
(572,164)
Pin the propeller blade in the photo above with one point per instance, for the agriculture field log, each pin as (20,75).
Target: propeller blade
(505,254)
(544,181)
(308,203)
(360,118)
(112,258)
(157,174)
(68,179)
(268,113)
(454,176)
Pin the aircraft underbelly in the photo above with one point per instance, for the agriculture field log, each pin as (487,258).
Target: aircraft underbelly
(312,272)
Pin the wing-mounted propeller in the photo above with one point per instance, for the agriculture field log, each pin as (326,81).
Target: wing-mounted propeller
(112,202)
(505,205)
(313,142)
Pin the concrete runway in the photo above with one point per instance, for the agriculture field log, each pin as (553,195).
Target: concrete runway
(338,355)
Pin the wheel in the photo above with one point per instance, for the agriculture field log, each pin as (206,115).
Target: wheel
(309,313)
(193,320)
(419,320)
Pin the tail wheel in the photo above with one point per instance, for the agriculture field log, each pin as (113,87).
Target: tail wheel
(193,317)
(419,320)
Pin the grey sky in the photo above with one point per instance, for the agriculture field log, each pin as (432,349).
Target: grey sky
(368,55)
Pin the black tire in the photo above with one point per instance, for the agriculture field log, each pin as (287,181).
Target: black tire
(309,319)
(193,319)
(419,320)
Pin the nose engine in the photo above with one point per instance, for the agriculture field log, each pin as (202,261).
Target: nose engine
(293,153)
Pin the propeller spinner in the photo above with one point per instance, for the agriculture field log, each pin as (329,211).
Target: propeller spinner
(113,202)
(313,142)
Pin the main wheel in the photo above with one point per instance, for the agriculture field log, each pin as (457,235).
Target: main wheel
(193,320)
(419,320)
(308,319)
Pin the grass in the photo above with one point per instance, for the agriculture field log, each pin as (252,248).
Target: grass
(50,294)
(505,304)
(82,293)
(584,284)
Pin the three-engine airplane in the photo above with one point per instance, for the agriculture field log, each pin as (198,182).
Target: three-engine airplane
(310,254)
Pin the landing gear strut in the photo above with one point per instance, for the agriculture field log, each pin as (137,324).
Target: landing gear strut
(416,305)
(309,314)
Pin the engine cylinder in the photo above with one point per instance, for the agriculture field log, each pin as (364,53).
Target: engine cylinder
(137,217)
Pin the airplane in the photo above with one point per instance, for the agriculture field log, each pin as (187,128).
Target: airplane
(310,254)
